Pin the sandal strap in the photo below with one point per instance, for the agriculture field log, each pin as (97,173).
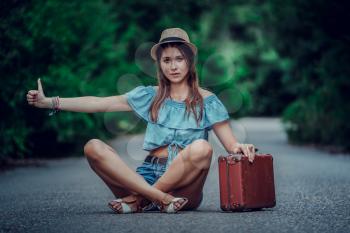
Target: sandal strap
(125,207)
(170,207)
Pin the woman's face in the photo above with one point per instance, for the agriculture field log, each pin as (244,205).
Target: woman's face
(173,65)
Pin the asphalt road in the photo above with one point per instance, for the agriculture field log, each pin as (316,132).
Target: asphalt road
(312,192)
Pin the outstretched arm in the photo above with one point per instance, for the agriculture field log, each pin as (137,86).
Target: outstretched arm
(87,104)
(91,104)
(224,132)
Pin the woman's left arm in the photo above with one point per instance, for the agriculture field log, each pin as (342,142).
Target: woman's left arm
(224,132)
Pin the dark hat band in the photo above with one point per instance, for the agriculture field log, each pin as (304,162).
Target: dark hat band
(172,39)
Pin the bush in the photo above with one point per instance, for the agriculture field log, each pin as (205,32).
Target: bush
(71,46)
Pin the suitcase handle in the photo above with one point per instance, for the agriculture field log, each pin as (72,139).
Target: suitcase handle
(238,156)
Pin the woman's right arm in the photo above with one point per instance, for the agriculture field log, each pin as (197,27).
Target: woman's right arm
(87,104)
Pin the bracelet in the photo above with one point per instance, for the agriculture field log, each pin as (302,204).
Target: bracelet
(55,105)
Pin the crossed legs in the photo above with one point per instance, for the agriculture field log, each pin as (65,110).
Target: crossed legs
(185,176)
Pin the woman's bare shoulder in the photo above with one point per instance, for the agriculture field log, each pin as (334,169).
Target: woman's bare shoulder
(205,93)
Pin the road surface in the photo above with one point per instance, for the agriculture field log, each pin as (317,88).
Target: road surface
(312,192)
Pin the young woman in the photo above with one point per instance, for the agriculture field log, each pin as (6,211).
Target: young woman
(179,115)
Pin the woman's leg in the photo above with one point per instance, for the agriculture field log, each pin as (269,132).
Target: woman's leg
(187,173)
(121,179)
(192,191)
(92,149)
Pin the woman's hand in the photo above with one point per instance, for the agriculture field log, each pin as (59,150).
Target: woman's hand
(248,150)
(37,97)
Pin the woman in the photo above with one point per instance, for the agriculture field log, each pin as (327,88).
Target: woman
(179,115)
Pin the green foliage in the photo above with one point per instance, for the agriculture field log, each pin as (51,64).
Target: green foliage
(315,35)
(73,54)
(253,66)
(291,57)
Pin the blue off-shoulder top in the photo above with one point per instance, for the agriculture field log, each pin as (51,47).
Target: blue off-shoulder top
(173,127)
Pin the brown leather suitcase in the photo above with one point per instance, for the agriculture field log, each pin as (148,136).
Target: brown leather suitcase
(244,185)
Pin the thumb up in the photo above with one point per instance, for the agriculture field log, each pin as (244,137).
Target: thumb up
(37,97)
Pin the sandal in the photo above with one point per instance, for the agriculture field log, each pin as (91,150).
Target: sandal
(169,207)
(125,207)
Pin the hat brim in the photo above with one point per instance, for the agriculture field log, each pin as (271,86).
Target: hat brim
(155,47)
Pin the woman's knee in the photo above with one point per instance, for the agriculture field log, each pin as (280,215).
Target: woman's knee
(201,149)
(93,149)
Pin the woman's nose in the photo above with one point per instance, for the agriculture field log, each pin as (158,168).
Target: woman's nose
(173,66)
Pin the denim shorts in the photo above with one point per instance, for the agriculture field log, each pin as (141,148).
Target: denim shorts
(151,172)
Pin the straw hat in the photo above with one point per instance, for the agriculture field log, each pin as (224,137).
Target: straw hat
(173,35)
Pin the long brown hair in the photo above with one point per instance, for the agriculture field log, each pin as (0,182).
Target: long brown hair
(193,99)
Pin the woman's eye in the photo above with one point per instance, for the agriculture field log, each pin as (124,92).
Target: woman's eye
(179,59)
